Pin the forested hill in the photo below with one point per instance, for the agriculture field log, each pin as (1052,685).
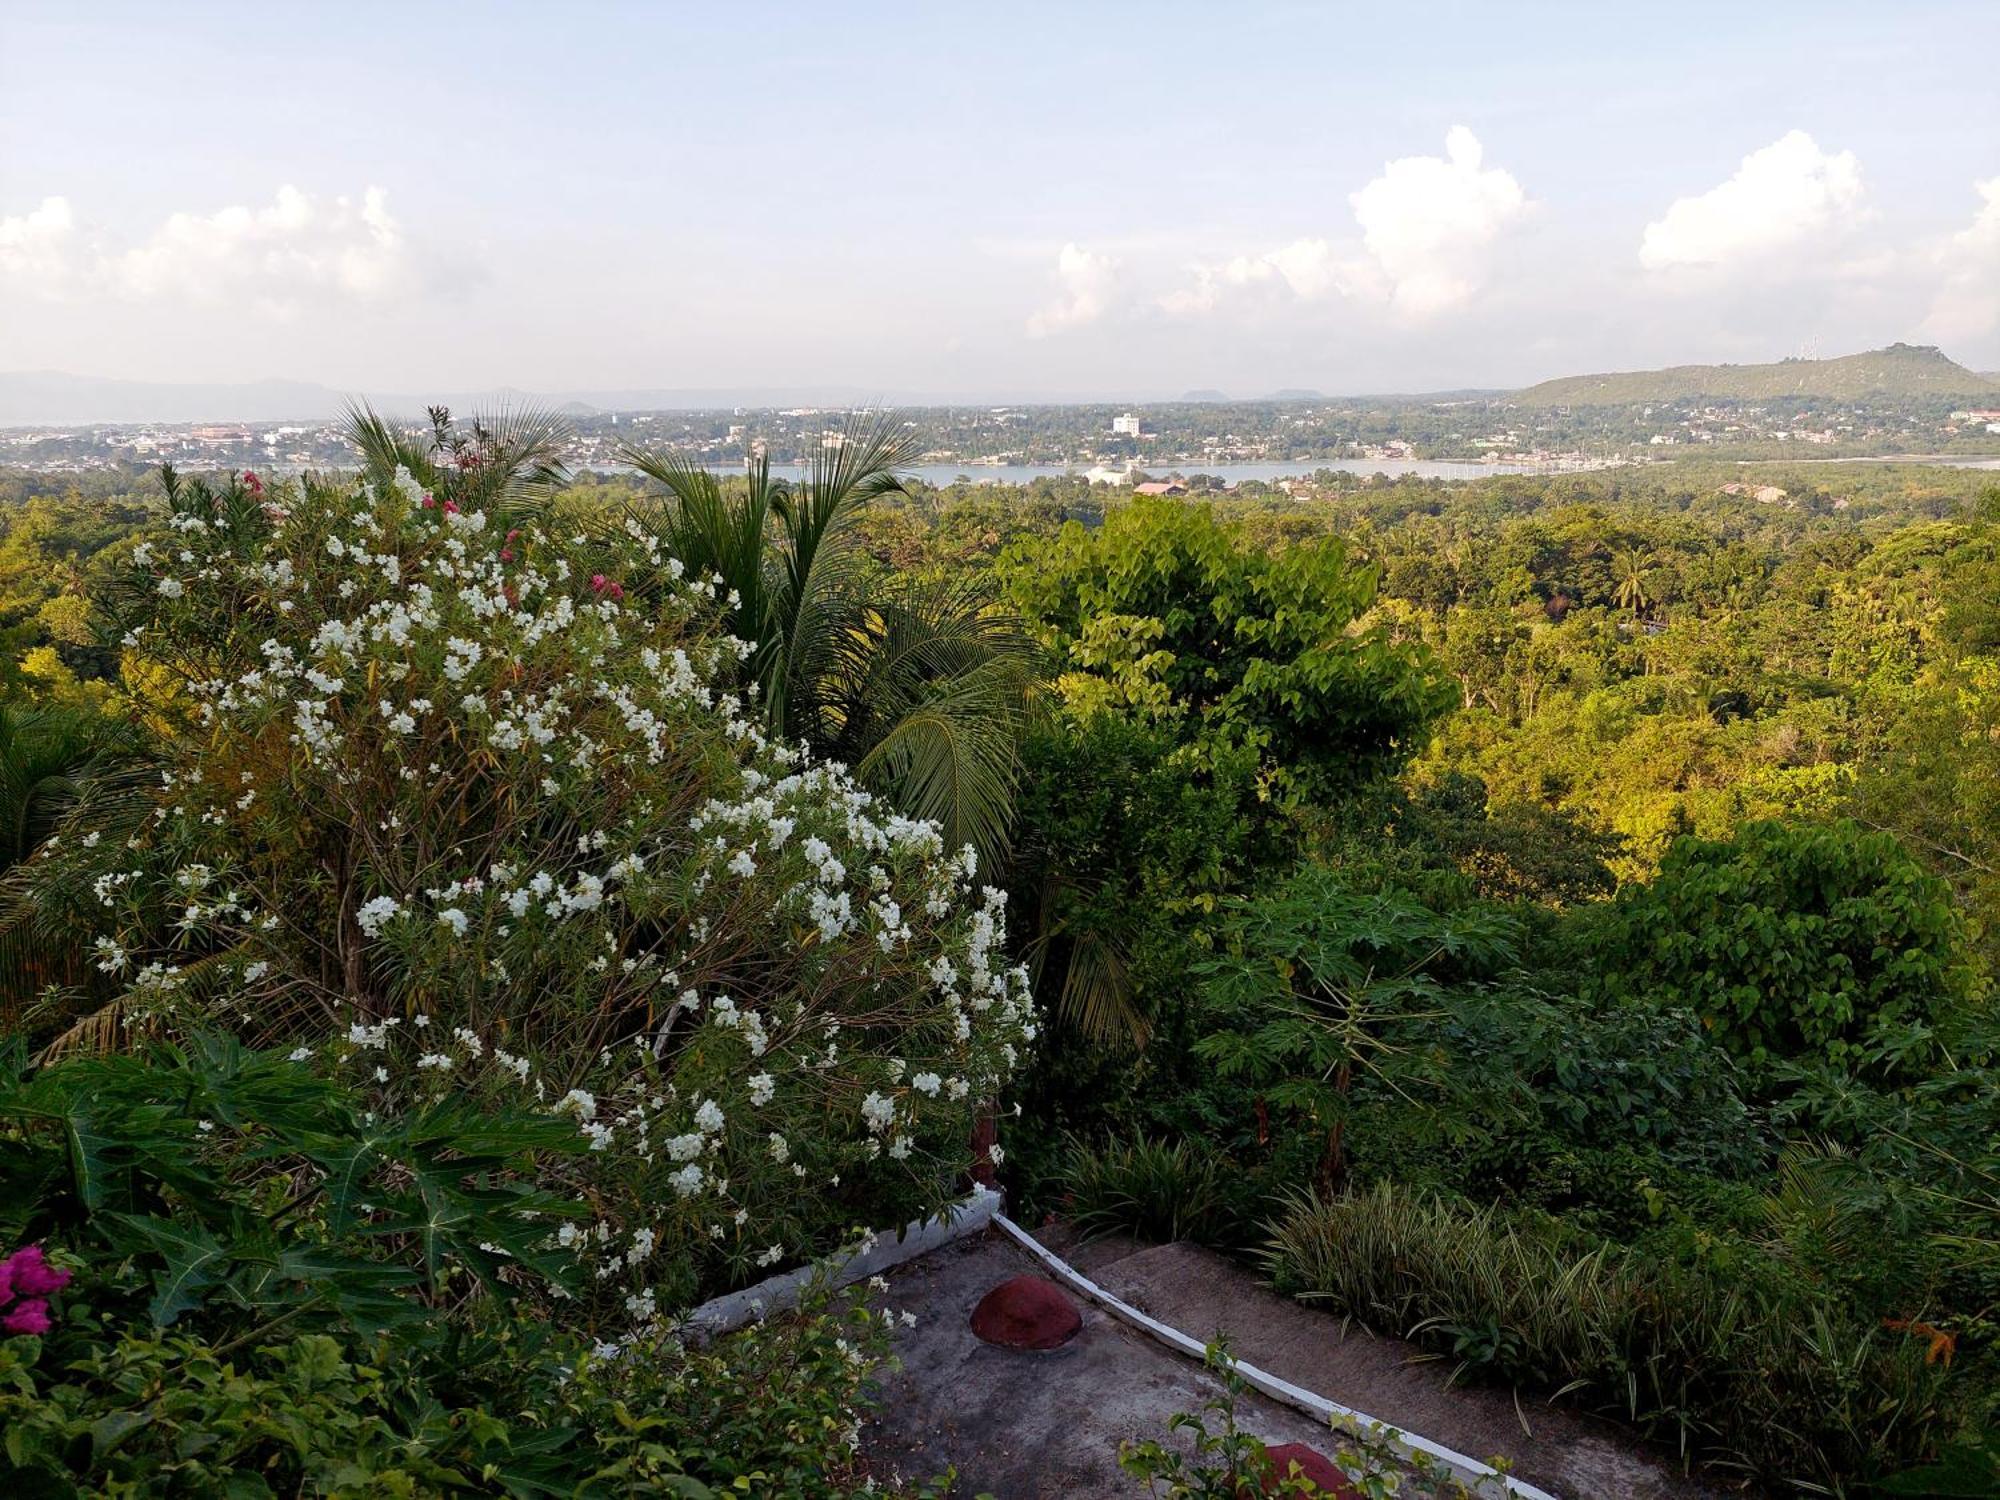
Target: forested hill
(1899,370)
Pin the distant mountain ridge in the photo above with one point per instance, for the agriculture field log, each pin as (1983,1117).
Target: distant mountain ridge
(50,398)
(1899,370)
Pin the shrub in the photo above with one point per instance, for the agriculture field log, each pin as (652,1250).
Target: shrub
(1794,941)
(426,766)
(500,1404)
(1153,1191)
(289,1282)
(1738,1366)
(1166,612)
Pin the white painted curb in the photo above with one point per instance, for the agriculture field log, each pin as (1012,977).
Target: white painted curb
(1469,1470)
(880,1251)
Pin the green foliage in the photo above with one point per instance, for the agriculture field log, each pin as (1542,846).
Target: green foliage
(1320,985)
(246,1190)
(490,1405)
(1794,941)
(289,1287)
(1154,1190)
(1127,843)
(1227,1462)
(921,685)
(1166,612)
(1736,1364)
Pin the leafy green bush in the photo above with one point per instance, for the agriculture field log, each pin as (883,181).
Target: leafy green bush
(426,765)
(293,1282)
(1739,1365)
(498,1404)
(1155,1191)
(1321,988)
(1166,612)
(1794,941)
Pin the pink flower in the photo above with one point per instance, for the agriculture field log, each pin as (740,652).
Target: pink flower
(28,1316)
(252,482)
(602,585)
(429,503)
(30,1274)
(451,507)
(506,554)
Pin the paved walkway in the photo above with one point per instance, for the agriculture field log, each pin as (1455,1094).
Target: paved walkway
(1567,1453)
(1046,1426)
(1033,1426)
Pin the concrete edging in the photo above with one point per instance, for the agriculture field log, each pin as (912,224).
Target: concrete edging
(1412,1445)
(879,1252)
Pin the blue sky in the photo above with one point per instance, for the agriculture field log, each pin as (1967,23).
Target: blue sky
(983,201)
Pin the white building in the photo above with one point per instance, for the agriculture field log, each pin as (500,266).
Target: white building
(1127,426)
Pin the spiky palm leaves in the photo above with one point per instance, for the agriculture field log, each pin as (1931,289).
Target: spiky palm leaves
(921,687)
(506,464)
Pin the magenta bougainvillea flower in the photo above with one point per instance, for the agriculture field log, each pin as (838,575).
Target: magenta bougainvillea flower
(27,1281)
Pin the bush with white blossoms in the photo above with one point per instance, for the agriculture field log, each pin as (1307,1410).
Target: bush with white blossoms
(458,786)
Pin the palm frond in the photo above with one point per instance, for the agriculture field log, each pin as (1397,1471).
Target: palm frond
(952,757)
(385,448)
(1097,998)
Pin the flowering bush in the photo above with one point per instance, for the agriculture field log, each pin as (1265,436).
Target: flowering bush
(459,794)
(27,1281)
(383,1294)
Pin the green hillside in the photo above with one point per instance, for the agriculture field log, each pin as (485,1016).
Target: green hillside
(1899,370)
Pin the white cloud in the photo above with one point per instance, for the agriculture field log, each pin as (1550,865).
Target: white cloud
(1429,222)
(1967,304)
(279,257)
(1087,280)
(36,248)
(1781,196)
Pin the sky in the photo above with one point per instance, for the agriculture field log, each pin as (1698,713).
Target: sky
(989,202)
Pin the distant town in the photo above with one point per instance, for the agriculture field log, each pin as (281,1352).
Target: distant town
(1112,443)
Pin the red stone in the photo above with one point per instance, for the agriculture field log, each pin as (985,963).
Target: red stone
(1028,1312)
(1315,1466)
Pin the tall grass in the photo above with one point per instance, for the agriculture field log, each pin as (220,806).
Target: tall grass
(1152,1191)
(1733,1369)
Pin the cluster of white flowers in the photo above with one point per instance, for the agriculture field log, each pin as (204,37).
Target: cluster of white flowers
(560,817)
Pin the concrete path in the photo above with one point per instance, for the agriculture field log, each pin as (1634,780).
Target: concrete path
(1202,1294)
(1032,1426)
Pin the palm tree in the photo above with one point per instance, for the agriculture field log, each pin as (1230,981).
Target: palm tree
(507,464)
(1634,567)
(922,687)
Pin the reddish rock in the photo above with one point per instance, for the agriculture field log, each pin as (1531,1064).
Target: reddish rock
(1027,1312)
(1315,1466)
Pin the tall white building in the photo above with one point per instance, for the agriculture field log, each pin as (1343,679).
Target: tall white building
(1126,426)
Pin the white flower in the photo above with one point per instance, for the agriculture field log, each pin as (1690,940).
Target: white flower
(880,1113)
(374,914)
(687,1181)
(581,1101)
(453,918)
(927,1083)
(709,1117)
(762,1087)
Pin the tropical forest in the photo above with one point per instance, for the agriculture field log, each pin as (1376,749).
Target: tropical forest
(461,917)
